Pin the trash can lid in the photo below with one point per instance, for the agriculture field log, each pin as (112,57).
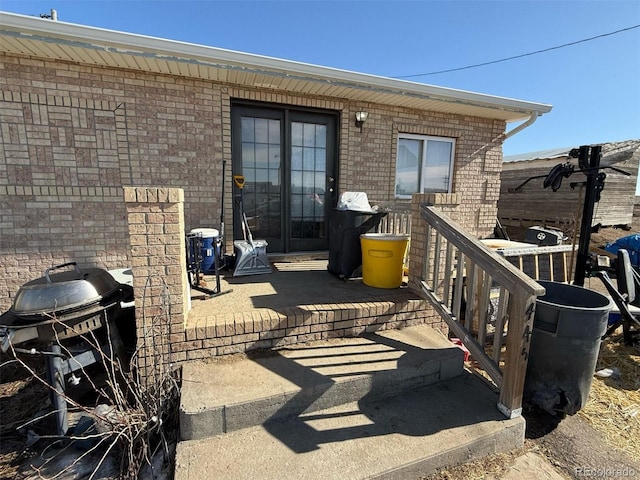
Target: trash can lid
(394,237)
(205,232)
(355,201)
(572,297)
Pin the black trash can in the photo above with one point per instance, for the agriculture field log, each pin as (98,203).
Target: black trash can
(345,228)
(567,330)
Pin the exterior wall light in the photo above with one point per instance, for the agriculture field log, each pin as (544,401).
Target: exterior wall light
(361,117)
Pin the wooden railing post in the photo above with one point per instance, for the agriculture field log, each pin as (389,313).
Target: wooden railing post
(517,353)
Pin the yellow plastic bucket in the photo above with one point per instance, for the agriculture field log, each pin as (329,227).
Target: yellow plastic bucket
(382,259)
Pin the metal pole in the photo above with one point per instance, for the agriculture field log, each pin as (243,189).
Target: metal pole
(591,195)
(55,378)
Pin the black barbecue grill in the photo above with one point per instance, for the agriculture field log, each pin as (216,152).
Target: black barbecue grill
(52,315)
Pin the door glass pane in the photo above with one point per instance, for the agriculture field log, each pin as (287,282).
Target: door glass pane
(308,167)
(274,157)
(261,160)
(309,132)
(274,132)
(296,158)
(261,130)
(408,166)
(262,155)
(248,127)
(248,155)
(321,160)
(296,135)
(321,136)
(308,158)
(296,182)
(296,206)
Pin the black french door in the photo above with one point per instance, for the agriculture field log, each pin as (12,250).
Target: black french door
(288,160)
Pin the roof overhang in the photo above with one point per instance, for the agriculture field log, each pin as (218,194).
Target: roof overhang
(41,38)
(612,152)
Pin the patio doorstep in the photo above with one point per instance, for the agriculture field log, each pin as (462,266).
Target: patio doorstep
(229,394)
(404,437)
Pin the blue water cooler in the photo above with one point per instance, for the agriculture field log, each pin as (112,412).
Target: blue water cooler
(210,247)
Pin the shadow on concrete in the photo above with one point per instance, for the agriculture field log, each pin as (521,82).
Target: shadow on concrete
(425,411)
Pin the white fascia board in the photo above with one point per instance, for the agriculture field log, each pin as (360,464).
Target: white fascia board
(135,44)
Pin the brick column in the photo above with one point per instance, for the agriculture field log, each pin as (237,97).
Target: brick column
(158,259)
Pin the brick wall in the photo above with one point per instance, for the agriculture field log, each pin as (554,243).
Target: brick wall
(72,135)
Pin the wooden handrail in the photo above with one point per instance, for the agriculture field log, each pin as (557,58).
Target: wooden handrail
(468,274)
(508,275)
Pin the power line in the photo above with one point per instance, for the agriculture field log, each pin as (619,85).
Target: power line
(519,56)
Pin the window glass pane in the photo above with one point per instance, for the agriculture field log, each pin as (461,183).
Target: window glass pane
(423,164)
(437,168)
(407,166)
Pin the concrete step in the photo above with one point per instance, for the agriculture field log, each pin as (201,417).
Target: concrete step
(229,394)
(403,437)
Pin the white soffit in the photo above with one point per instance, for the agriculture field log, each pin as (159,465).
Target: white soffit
(24,35)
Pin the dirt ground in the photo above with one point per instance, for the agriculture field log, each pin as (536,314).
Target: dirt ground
(602,440)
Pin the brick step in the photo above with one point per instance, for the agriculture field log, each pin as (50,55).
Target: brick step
(224,328)
(228,394)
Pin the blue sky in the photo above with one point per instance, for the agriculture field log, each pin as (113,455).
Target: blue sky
(594,86)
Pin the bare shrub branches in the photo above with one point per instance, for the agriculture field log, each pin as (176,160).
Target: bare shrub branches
(135,419)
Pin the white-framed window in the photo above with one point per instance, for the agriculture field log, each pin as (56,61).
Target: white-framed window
(423,164)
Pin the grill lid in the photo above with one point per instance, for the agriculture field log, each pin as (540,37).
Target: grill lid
(64,291)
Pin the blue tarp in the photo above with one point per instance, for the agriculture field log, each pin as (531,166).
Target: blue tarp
(631,243)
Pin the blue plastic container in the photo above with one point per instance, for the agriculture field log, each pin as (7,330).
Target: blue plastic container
(210,248)
(614,316)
